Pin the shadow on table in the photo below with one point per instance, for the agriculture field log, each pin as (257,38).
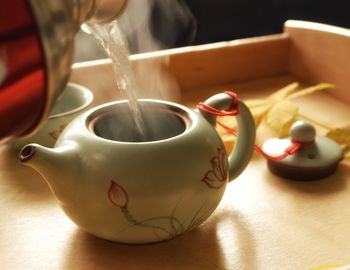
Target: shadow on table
(321,187)
(202,248)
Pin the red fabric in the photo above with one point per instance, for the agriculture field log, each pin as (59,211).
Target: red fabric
(22,91)
(21,106)
(14,17)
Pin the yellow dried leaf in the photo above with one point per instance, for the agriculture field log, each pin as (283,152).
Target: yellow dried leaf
(284,92)
(259,113)
(330,267)
(276,109)
(346,150)
(252,103)
(259,108)
(311,89)
(281,116)
(342,137)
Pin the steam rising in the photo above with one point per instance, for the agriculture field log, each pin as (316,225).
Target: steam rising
(157,24)
(168,21)
(152,25)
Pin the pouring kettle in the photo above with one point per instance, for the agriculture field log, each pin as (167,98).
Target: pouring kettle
(36,50)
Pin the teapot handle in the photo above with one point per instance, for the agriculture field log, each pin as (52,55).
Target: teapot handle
(243,150)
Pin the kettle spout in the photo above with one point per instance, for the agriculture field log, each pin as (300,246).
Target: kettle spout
(57,166)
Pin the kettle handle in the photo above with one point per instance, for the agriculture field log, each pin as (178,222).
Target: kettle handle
(243,150)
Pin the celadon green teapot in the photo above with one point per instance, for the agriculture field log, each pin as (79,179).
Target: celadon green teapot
(122,186)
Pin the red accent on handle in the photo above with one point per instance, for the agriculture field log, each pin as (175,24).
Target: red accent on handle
(290,150)
(232,112)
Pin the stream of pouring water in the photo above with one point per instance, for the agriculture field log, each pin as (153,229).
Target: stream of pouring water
(168,20)
(114,43)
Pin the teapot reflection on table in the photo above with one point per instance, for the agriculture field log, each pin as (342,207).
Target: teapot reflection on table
(118,187)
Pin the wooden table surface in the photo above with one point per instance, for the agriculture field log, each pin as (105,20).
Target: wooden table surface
(263,221)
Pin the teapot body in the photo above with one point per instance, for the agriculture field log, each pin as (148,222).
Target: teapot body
(140,192)
(134,185)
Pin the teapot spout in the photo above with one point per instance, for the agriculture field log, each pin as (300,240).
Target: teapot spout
(57,166)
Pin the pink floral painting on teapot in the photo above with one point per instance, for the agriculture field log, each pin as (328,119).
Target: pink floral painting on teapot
(214,178)
(217,176)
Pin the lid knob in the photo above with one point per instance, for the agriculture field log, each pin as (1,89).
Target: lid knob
(302,132)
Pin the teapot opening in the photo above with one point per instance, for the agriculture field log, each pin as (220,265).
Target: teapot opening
(159,121)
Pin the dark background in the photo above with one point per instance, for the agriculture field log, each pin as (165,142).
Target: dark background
(219,20)
(222,20)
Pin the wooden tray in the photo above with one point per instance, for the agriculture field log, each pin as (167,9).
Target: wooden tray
(263,222)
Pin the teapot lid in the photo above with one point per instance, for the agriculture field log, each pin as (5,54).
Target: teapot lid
(318,158)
